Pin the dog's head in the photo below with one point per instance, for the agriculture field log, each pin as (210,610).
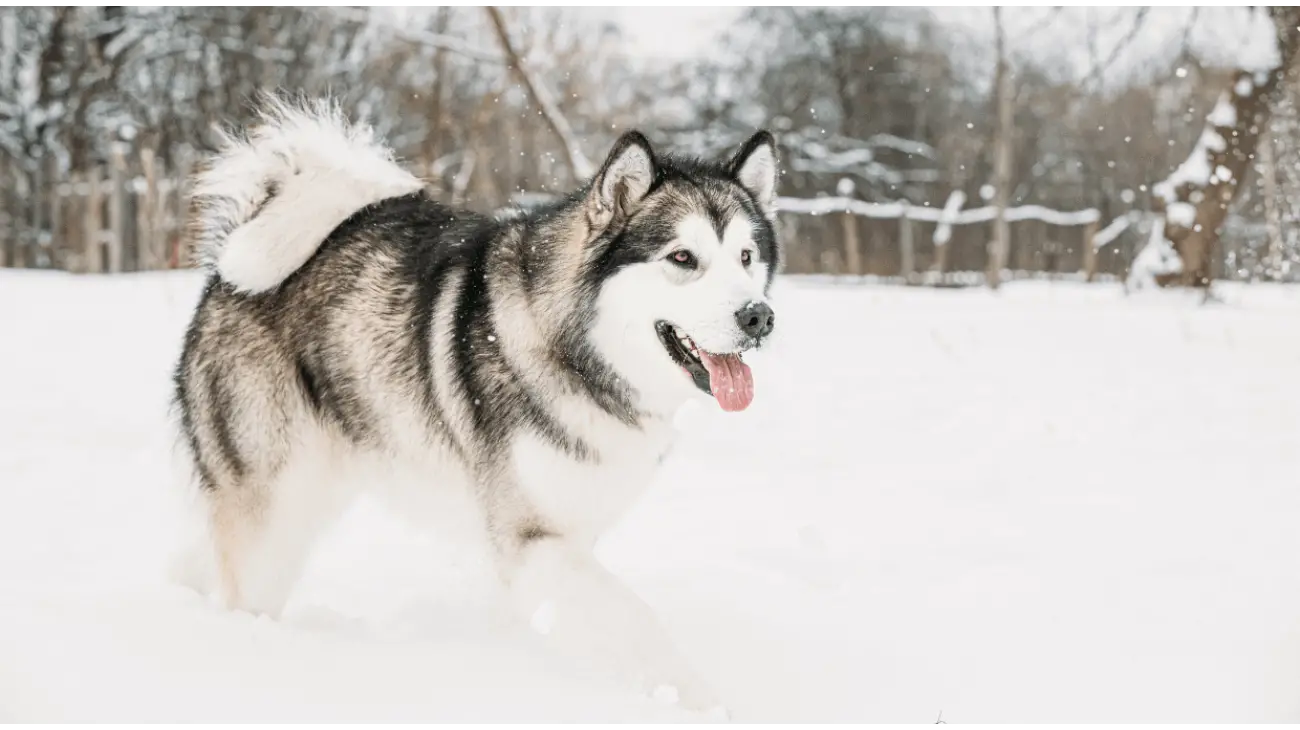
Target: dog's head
(683,255)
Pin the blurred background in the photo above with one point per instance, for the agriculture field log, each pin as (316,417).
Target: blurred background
(928,146)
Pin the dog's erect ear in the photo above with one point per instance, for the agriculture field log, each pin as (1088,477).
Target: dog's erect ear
(754,167)
(623,180)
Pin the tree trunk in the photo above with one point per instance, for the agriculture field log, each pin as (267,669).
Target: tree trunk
(1000,245)
(433,142)
(1194,200)
(1272,215)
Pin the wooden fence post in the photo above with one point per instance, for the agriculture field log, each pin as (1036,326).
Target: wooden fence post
(146,232)
(1090,252)
(941,253)
(38,198)
(118,260)
(852,255)
(94,222)
(74,214)
(177,254)
(907,252)
(6,223)
(58,230)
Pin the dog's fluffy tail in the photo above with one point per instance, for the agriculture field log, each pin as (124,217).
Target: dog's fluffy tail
(269,198)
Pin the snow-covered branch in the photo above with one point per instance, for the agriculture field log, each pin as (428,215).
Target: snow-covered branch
(841,155)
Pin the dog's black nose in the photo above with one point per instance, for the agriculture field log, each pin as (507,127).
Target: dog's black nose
(756,319)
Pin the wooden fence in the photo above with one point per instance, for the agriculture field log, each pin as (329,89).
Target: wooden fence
(125,216)
(933,245)
(128,216)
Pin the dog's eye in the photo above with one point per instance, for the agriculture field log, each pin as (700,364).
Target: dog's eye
(745,257)
(684,259)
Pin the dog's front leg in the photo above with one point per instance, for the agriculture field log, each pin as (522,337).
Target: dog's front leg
(585,611)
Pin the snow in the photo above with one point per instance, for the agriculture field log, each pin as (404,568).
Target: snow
(1156,257)
(1052,503)
(838,154)
(1243,87)
(1211,140)
(909,146)
(1181,214)
(825,205)
(1195,170)
(1224,113)
(951,207)
(1112,231)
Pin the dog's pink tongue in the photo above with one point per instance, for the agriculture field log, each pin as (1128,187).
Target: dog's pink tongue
(730,380)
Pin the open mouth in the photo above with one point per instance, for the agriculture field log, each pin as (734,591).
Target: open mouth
(725,376)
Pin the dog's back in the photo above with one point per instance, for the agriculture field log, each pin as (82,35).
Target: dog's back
(356,312)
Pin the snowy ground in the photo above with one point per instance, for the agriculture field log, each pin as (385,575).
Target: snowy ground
(1053,504)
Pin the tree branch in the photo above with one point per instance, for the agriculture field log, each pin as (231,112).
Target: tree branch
(424,38)
(578,162)
(1046,21)
(1094,78)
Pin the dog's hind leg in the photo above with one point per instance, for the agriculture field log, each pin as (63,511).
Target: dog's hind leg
(266,467)
(263,531)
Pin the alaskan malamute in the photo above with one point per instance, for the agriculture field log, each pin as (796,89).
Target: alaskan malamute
(533,362)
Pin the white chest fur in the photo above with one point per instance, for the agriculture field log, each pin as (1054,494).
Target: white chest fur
(584,498)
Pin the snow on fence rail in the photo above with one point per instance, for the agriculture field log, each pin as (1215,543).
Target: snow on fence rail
(843,235)
(1111,233)
(822,206)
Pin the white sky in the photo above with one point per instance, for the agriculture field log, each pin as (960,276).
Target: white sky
(676,33)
